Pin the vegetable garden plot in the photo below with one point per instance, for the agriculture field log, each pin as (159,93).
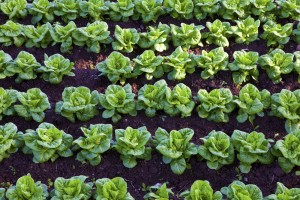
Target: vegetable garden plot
(231,56)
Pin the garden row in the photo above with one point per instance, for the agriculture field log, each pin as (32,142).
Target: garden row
(149,10)
(215,105)
(77,187)
(157,38)
(118,68)
(47,143)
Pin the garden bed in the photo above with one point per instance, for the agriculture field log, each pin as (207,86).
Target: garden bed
(153,171)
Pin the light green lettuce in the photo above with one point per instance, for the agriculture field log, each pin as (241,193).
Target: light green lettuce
(156,38)
(132,144)
(252,148)
(10,140)
(116,67)
(212,62)
(277,63)
(47,143)
(179,101)
(118,100)
(252,102)
(33,104)
(149,64)
(125,39)
(186,35)
(179,63)
(112,189)
(151,98)
(26,188)
(244,66)
(8,97)
(96,141)
(287,150)
(55,67)
(217,150)
(237,190)
(181,9)
(215,105)
(176,148)
(201,190)
(73,188)
(78,102)
(276,34)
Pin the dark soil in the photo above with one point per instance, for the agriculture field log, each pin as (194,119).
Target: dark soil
(153,171)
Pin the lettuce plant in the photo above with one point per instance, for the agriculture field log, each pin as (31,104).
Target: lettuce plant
(7,99)
(47,143)
(201,190)
(179,101)
(148,10)
(37,36)
(68,10)
(262,8)
(186,35)
(276,34)
(5,61)
(118,100)
(212,62)
(232,9)
(12,33)
(252,148)
(151,98)
(287,150)
(286,105)
(252,102)
(175,147)
(296,34)
(14,9)
(218,33)
(25,66)
(63,36)
(156,38)
(179,63)
(93,8)
(10,140)
(246,30)
(2,193)
(26,188)
(289,9)
(33,103)
(296,64)
(42,10)
(277,63)
(125,39)
(55,67)
(159,191)
(282,192)
(217,150)
(92,36)
(244,66)
(179,8)
(132,144)
(78,102)
(121,10)
(112,189)
(204,8)
(215,105)
(150,64)
(96,141)
(72,188)
(238,190)
(116,67)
